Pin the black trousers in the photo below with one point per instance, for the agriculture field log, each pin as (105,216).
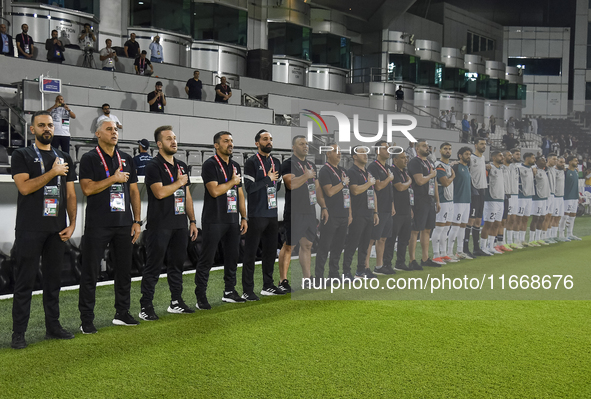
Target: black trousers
(265,230)
(61,143)
(401,228)
(357,240)
(95,241)
(158,242)
(30,245)
(229,235)
(332,238)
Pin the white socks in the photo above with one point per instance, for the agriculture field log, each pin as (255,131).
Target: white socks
(435,240)
(562,225)
(570,226)
(453,233)
(509,237)
(521,236)
(491,242)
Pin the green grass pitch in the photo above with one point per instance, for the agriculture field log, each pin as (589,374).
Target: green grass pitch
(440,345)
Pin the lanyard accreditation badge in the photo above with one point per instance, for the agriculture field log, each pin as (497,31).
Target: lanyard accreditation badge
(179,195)
(311,187)
(346,192)
(116,191)
(271,191)
(51,194)
(431,181)
(231,194)
(371,199)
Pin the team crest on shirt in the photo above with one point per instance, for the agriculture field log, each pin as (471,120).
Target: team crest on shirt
(123,162)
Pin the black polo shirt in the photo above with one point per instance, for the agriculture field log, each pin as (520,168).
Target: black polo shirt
(157,106)
(29,210)
(133,48)
(298,201)
(215,210)
(98,207)
(224,90)
(417,165)
(359,205)
(335,204)
(384,195)
(195,87)
(161,212)
(401,198)
(256,182)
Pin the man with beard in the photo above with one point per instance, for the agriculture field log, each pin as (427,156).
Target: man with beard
(108,115)
(445,178)
(551,170)
(426,204)
(335,186)
(262,181)
(478,178)
(558,212)
(525,172)
(539,203)
(302,193)
(504,240)
(462,190)
(109,181)
(571,197)
(513,220)
(55,48)
(169,206)
(25,44)
(44,177)
(494,198)
(223,200)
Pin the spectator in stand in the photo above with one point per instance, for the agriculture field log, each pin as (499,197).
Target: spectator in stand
(156,54)
(55,49)
(24,43)
(562,144)
(193,87)
(465,129)
(7,46)
(555,146)
(108,57)
(510,141)
(107,115)
(141,159)
(526,125)
(546,146)
(411,151)
(511,126)
(399,98)
(61,115)
(87,38)
(442,120)
(492,124)
(568,142)
(141,65)
(448,119)
(156,99)
(534,124)
(131,48)
(452,118)
(483,133)
(474,129)
(223,92)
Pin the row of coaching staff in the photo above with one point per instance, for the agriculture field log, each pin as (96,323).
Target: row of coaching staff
(262,181)
(45,185)
(223,199)
(108,179)
(169,205)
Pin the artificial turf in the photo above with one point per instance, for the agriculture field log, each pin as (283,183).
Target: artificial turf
(280,347)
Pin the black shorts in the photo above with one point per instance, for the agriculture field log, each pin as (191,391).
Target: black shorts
(304,225)
(424,215)
(506,210)
(477,205)
(384,228)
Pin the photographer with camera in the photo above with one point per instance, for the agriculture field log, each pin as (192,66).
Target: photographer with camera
(55,48)
(87,38)
(108,57)
(156,99)
(61,115)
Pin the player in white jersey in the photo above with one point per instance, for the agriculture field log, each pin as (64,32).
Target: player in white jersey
(539,204)
(513,220)
(443,219)
(508,172)
(494,199)
(478,178)
(525,171)
(558,213)
(551,171)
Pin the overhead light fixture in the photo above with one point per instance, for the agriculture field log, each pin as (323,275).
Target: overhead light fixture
(141,3)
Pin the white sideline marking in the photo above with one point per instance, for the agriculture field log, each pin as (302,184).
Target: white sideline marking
(111,282)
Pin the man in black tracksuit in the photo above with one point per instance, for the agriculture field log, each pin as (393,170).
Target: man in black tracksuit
(262,181)
(335,186)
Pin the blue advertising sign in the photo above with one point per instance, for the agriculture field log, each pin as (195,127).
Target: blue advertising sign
(48,85)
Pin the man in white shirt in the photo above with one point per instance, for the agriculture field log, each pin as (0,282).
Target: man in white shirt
(107,115)
(87,37)
(61,115)
(108,57)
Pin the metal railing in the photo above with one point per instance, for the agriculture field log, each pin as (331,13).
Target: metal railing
(14,114)
(252,101)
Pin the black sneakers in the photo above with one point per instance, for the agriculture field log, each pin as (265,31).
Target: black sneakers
(366,273)
(88,328)
(402,266)
(348,275)
(414,265)
(148,314)
(58,333)
(179,307)
(202,303)
(124,319)
(272,290)
(232,297)
(18,340)
(250,296)
(284,286)
(384,270)
(429,262)
(480,252)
